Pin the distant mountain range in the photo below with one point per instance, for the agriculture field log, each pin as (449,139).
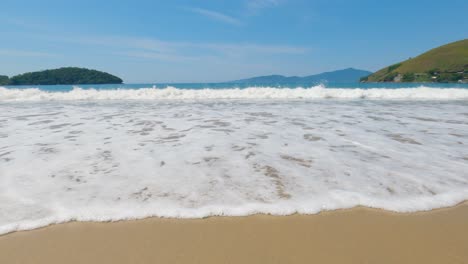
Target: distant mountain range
(340,76)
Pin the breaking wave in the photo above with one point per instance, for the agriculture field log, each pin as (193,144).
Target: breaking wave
(187,156)
(173,93)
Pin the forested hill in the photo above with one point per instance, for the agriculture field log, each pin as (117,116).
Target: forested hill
(68,75)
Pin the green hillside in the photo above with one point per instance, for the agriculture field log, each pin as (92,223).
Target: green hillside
(448,63)
(69,75)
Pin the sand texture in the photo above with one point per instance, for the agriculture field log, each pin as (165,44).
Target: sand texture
(358,235)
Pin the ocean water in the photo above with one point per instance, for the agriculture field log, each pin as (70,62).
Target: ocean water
(105,153)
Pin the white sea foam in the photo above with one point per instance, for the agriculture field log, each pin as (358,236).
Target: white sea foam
(113,160)
(172,93)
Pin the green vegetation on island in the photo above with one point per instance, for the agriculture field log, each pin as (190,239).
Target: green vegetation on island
(448,63)
(68,75)
(4,80)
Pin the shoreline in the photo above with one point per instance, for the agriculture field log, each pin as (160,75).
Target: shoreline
(352,235)
(170,218)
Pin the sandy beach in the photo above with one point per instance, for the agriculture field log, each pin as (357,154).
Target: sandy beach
(237,132)
(359,235)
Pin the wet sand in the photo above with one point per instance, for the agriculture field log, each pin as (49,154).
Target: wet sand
(357,235)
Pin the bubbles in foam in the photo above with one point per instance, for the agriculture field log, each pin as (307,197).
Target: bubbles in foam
(110,160)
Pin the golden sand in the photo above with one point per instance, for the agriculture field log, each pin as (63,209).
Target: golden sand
(358,235)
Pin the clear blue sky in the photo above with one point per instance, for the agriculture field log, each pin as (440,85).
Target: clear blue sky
(201,41)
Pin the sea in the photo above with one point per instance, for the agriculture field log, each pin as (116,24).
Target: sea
(130,151)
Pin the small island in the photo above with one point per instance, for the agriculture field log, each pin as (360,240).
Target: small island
(445,64)
(67,75)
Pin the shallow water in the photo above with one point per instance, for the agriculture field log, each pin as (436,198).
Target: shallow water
(124,159)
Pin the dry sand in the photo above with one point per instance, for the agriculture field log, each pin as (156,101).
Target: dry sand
(347,236)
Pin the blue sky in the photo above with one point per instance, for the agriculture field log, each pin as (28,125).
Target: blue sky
(204,41)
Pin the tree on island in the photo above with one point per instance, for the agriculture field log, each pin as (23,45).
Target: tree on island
(4,80)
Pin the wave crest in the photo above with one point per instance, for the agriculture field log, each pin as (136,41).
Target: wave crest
(173,93)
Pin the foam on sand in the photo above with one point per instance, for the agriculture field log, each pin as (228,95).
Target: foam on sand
(113,160)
